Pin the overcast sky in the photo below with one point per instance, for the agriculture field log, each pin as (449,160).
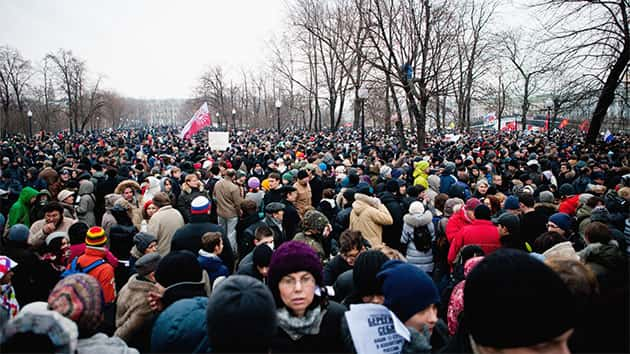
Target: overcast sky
(148,48)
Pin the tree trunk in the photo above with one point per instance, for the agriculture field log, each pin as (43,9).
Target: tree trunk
(388,112)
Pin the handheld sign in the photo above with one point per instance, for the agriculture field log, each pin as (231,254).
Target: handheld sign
(219,141)
(376,330)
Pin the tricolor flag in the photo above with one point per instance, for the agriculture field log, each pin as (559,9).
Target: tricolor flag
(490,117)
(608,137)
(200,119)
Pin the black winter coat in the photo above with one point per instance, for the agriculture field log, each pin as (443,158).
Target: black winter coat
(391,233)
(334,268)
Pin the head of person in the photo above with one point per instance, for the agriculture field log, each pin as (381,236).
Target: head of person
(597,232)
(367,288)
(230,174)
(526,201)
(192,181)
(275,180)
(147,265)
(512,205)
(275,210)
(262,258)
(303,177)
(289,193)
(482,212)
(294,273)
(497,180)
(95,238)
(58,243)
(469,207)
(145,242)
(161,199)
(18,234)
(560,223)
(482,187)
(128,194)
(66,197)
(248,207)
(177,267)
(212,242)
(148,210)
(546,241)
(351,246)
(200,206)
(53,214)
(508,224)
(314,222)
(263,236)
(579,279)
(504,298)
(77,232)
(79,297)
(410,294)
(248,300)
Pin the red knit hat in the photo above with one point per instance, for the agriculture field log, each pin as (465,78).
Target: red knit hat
(95,237)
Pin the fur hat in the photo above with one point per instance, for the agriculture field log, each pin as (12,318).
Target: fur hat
(416,208)
(314,220)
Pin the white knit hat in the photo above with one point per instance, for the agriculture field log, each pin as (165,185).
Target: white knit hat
(416,208)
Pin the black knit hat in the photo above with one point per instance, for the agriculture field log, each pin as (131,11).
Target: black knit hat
(177,267)
(366,266)
(513,300)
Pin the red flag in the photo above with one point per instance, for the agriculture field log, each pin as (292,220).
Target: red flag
(584,126)
(509,126)
(200,119)
(564,123)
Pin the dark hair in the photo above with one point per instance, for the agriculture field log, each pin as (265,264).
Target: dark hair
(53,206)
(328,193)
(249,207)
(440,200)
(547,240)
(413,191)
(527,199)
(495,204)
(350,240)
(597,232)
(210,240)
(77,232)
(275,175)
(215,170)
(593,201)
(262,232)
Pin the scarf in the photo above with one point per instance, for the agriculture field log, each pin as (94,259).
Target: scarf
(298,327)
(8,300)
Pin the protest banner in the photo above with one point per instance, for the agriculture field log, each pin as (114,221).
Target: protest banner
(375,329)
(219,141)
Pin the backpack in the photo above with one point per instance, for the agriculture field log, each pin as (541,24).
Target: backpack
(75,268)
(422,238)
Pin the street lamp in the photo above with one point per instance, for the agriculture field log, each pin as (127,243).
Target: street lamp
(550,124)
(30,124)
(363,95)
(278,105)
(234,118)
(218,122)
(97,119)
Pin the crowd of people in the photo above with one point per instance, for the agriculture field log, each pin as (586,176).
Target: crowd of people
(124,241)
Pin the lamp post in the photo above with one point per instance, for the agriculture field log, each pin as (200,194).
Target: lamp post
(97,121)
(278,105)
(363,95)
(233,118)
(218,122)
(30,124)
(550,124)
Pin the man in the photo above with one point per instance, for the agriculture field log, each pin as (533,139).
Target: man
(563,224)
(303,202)
(164,222)
(509,227)
(291,219)
(316,183)
(258,265)
(228,198)
(53,221)
(248,217)
(481,232)
(535,220)
(188,237)
(463,217)
(516,304)
(392,201)
(95,250)
(274,213)
(512,205)
(274,193)
(569,200)
(350,247)
(263,235)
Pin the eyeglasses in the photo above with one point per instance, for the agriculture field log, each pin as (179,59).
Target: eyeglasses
(290,282)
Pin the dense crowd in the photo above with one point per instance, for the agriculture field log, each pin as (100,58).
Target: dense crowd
(121,241)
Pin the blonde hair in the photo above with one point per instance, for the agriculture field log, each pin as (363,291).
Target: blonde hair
(390,252)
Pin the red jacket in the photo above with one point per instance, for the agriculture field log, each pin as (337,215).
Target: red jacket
(103,273)
(456,223)
(482,233)
(78,249)
(569,205)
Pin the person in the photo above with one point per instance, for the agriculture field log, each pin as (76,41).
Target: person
(456,302)
(421,174)
(108,218)
(481,232)
(563,223)
(273,194)
(20,210)
(291,218)
(143,243)
(536,221)
(262,235)
(509,227)
(191,189)
(164,223)
(274,214)
(392,202)
(79,298)
(259,266)
(569,199)
(180,277)
(546,204)
(87,203)
(350,247)
(66,200)
(182,327)
(306,322)
(249,215)
(211,248)
(228,199)
(418,237)
(76,233)
(134,316)
(463,217)
(53,221)
(512,205)
(369,216)
(9,305)
(255,193)
(304,193)
(148,209)
(502,295)
(122,230)
(189,237)
(315,231)
(252,303)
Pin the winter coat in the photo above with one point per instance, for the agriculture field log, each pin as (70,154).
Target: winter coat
(85,209)
(79,249)
(279,236)
(334,268)
(245,245)
(456,223)
(69,211)
(136,208)
(534,224)
(32,278)
(103,273)
(20,210)
(328,340)
(163,224)
(546,209)
(290,221)
(569,205)
(421,177)
(446,181)
(186,198)
(434,188)
(213,265)
(101,343)
(132,308)
(482,233)
(188,238)
(423,260)
(227,196)
(391,232)
(316,243)
(37,237)
(304,199)
(368,216)
(182,328)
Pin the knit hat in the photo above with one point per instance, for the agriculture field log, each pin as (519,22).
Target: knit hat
(250,301)
(600,214)
(511,203)
(161,199)
(64,194)
(182,327)
(148,263)
(562,220)
(416,208)
(396,173)
(513,300)
(200,206)
(95,237)
(366,266)
(143,240)
(407,289)
(288,176)
(566,190)
(79,298)
(177,267)
(18,233)
(262,255)
(314,220)
(253,182)
(56,234)
(546,197)
(292,257)
(385,170)
(472,203)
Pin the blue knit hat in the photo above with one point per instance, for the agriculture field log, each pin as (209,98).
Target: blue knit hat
(562,220)
(511,203)
(407,289)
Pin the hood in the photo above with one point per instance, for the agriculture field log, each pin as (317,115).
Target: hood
(120,188)
(154,184)
(434,183)
(415,220)
(583,211)
(27,194)
(608,256)
(562,250)
(111,199)
(362,202)
(86,187)
(419,168)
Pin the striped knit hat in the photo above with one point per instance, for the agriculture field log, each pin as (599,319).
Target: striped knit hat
(200,205)
(79,298)
(95,237)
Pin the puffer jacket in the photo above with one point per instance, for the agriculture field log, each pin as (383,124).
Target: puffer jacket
(423,260)
(182,327)
(456,223)
(481,232)
(85,209)
(368,216)
(420,177)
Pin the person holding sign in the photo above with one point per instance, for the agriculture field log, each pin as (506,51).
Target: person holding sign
(307,321)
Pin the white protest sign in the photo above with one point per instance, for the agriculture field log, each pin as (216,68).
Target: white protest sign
(219,140)
(452,138)
(375,329)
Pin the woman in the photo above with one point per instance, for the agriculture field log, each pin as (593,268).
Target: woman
(147,212)
(191,189)
(20,210)
(307,322)
(56,257)
(66,199)
(456,303)
(131,192)
(418,237)
(255,193)
(87,203)
(481,189)
(493,203)
(166,186)
(122,231)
